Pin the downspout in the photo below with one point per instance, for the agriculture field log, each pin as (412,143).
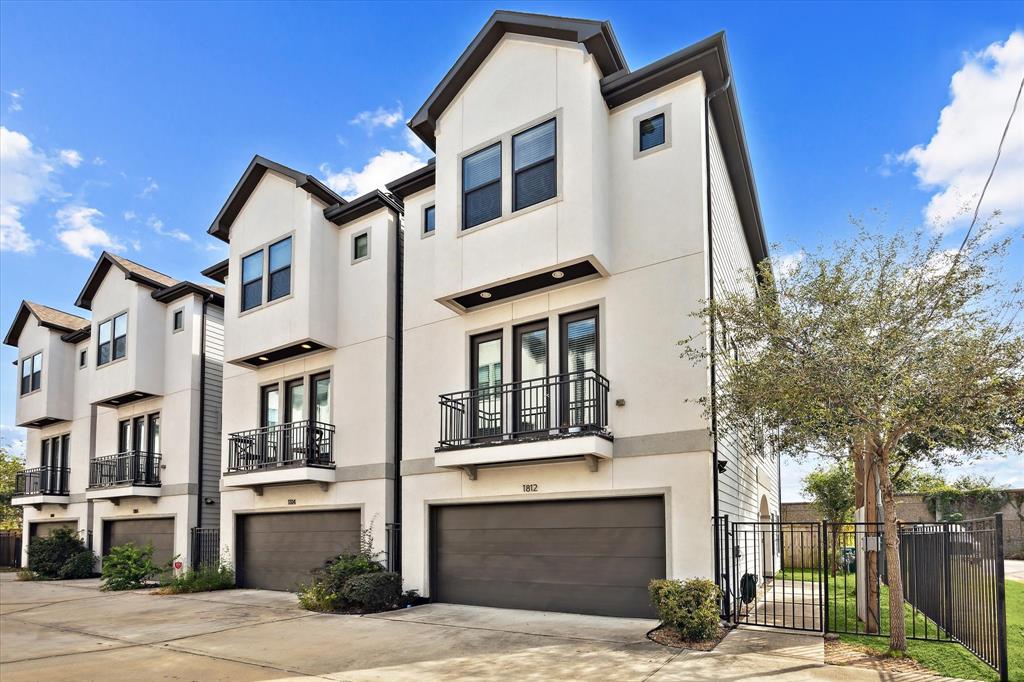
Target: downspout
(399,279)
(202,422)
(711,285)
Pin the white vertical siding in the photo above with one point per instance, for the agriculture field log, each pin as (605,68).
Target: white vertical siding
(748,476)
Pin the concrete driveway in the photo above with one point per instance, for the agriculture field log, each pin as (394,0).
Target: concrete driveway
(1014,569)
(71,631)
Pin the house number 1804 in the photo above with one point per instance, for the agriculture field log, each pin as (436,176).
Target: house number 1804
(529,487)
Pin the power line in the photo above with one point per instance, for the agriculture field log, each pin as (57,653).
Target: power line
(999,151)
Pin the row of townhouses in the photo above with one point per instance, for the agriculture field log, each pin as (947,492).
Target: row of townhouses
(479,366)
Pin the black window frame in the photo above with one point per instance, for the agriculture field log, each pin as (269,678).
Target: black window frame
(247,282)
(111,344)
(178,320)
(466,192)
(432,221)
(364,238)
(553,160)
(640,131)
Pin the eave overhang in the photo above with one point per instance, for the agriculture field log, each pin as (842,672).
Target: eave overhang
(343,213)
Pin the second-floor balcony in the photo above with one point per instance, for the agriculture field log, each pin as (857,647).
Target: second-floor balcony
(135,473)
(547,418)
(41,485)
(295,452)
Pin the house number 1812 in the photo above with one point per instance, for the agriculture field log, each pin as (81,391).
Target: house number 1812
(529,487)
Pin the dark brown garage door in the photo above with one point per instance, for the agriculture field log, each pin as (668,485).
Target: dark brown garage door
(280,551)
(578,556)
(159,532)
(44,528)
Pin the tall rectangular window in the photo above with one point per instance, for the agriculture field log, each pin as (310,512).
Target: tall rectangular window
(652,132)
(31,373)
(321,390)
(120,336)
(481,186)
(280,269)
(428,220)
(252,280)
(82,358)
(533,166)
(178,320)
(103,349)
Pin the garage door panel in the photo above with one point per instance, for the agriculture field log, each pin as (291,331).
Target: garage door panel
(140,532)
(43,529)
(568,542)
(580,556)
(280,551)
(625,513)
(595,600)
(609,571)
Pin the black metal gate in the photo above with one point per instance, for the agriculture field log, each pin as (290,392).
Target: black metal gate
(831,577)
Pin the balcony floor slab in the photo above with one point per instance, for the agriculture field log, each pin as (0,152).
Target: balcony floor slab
(279,476)
(33,500)
(509,451)
(119,491)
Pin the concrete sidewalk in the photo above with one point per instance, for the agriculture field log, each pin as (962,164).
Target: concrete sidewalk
(71,631)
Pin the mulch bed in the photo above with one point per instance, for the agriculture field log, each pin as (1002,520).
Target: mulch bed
(859,656)
(670,637)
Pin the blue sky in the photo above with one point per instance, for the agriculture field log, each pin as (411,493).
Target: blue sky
(126,125)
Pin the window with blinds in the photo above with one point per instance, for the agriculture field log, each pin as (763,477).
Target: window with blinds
(481,186)
(252,280)
(533,166)
(652,132)
(280,269)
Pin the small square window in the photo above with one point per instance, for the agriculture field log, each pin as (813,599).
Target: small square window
(179,320)
(82,358)
(428,220)
(652,132)
(360,247)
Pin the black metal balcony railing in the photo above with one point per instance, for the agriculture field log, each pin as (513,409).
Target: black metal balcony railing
(135,467)
(548,407)
(47,480)
(306,442)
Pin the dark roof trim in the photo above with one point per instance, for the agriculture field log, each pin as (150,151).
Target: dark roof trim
(103,265)
(217,272)
(221,226)
(418,180)
(21,317)
(710,57)
(80,335)
(182,289)
(340,214)
(596,36)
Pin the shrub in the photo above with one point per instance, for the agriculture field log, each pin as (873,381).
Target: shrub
(202,579)
(317,596)
(373,591)
(128,567)
(338,571)
(690,606)
(61,555)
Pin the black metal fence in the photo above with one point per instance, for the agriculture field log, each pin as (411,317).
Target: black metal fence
(560,404)
(45,480)
(10,549)
(205,547)
(305,442)
(134,467)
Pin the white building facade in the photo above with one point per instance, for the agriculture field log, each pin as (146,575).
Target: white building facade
(119,419)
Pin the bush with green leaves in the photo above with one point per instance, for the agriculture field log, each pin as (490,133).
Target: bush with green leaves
(206,578)
(128,567)
(373,591)
(62,556)
(690,607)
(317,596)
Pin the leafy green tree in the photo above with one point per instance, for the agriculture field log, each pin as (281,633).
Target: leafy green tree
(882,339)
(832,494)
(10,516)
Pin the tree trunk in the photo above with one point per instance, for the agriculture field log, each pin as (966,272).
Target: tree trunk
(894,572)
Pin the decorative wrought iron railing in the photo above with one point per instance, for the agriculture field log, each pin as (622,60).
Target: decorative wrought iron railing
(135,467)
(306,442)
(45,480)
(547,407)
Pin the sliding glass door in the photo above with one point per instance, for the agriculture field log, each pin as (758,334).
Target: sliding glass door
(485,407)
(531,394)
(579,362)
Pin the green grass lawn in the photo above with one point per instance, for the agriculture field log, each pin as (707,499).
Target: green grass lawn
(949,659)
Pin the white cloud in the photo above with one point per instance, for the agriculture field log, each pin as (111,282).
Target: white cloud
(129,216)
(957,159)
(15,104)
(77,229)
(786,264)
(26,174)
(380,118)
(99,161)
(70,157)
(416,144)
(150,188)
(157,226)
(386,166)
(13,439)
